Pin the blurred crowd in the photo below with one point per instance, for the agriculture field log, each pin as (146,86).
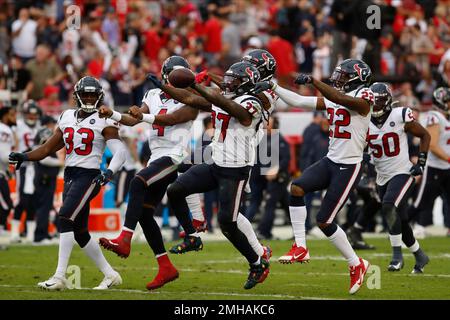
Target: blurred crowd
(46,46)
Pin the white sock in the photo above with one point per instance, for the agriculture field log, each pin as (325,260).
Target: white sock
(340,241)
(414,247)
(66,242)
(93,251)
(127,229)
(298,218)
(173,222)
(396,240)
(15,228)
(195,206)
(246,228)
(358,226)
(31,227)
(159,221)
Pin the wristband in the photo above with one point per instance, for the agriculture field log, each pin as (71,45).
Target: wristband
(149,118)
(448,160)
(116,116)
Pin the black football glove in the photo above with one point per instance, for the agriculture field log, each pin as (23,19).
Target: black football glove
(103,178)
(17,158)
(154,79)
(262,86)
(419,167)
(303,79)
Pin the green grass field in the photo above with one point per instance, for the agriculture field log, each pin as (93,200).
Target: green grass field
(219,272)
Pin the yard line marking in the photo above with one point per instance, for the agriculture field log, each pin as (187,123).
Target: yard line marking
(183,292)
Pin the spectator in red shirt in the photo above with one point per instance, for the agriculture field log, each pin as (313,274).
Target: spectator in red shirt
(50,104)
(213,39)
(283,52)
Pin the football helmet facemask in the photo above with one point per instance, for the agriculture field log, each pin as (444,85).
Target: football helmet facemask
(382,99)
(88,94)
(240,79)
(351,74)
(441,99)
(263,61)
(31,112)
(171,63)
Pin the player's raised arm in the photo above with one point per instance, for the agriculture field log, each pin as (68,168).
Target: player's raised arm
(239,79)
(181,115)
(122,118)
(53,144)
(291,98)
(182,95)
(359,105)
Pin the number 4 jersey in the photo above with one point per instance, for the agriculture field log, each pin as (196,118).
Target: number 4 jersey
(388,145)
(348,129)
(167,141)
(84,140)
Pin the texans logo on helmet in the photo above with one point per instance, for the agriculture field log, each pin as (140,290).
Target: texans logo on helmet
(249,72)
(363,73)
(267,60)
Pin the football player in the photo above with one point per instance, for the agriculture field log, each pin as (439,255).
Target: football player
(26,132)
(436,177)
(237,116)
(348,104)
(7,142)
(84,135)
(169,144)
(388,146)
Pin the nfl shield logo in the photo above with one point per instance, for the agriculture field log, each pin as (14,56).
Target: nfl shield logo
(392,123)
(92,121)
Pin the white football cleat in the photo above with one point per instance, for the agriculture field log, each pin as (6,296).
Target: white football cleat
(109,281)
(54,283)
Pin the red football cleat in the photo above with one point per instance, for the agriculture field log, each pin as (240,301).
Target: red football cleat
(120,245)
(267,253)
(200,226)
(357,275)
(165,275)
(296,254)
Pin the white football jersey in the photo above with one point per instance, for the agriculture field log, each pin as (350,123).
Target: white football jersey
(84,140)
(436,117)
(127,132)
(25,135)
(348,129)
(233,144)
(273,99)
(167,141)
(388,145)
(6,146)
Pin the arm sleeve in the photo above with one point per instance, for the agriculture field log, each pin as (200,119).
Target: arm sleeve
(407,115)
(50,162)
(294,99)
(119,152)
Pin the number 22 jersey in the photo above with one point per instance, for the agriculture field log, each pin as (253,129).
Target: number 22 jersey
(348,129)
(83,138)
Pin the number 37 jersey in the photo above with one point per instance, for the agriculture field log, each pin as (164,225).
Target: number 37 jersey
(84,140)
(388,145)
(348,129)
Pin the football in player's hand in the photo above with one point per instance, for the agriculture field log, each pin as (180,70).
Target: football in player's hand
(181,78)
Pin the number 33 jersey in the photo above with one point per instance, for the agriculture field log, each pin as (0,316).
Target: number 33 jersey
(388,145)
(84,140)
(348,129)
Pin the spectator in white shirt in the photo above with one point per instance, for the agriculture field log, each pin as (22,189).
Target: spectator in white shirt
(24,35)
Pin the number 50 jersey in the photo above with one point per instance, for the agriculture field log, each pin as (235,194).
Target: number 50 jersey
(388,145)
(84,140)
